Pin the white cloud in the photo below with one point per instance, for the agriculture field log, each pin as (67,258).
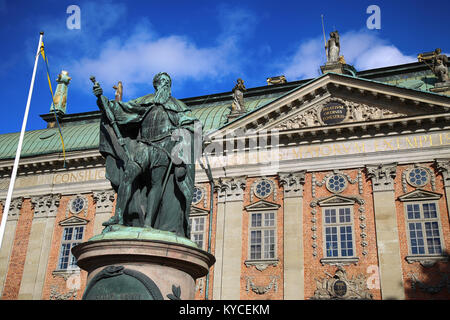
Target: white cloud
(136,56)
(362,49)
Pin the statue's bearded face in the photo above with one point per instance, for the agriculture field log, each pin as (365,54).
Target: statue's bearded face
(162,89)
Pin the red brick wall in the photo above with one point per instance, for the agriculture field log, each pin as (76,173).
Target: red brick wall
(430,276)
(264,277)
(19,252)
(313,267)
(58,283)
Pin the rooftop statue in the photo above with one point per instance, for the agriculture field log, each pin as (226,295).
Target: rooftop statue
(440,66)
(151,172)
(238,97)
(333,47)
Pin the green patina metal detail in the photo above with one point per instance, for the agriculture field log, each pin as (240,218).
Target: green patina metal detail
(116,232)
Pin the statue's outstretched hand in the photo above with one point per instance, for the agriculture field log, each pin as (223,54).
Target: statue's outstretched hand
(97,90)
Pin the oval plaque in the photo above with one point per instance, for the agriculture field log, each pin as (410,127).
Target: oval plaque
(333,112)
(340,288)
(118,283)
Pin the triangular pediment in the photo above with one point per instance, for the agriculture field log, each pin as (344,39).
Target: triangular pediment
(336,200)
(198,211)
(420,194)
(262,205)
(334,100)
(73,221)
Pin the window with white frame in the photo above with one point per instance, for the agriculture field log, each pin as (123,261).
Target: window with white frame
(338,232)
(262,236)
(198,230)
(423,228)
(72,235)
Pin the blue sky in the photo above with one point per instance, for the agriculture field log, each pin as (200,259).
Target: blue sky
(204,45)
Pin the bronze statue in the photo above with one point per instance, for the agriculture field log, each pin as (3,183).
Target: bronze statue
(153,179)
(333,47)
(238,97)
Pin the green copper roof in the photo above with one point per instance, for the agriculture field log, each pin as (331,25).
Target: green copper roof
(46,141)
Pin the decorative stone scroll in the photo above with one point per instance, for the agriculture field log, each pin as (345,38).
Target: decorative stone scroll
(262,289)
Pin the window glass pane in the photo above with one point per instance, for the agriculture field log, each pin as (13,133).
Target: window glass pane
(331,241)
(269,219)
(433,239)
(416,238)
(256,220)
(413,211)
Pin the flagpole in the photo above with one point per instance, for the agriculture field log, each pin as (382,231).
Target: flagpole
(19,147)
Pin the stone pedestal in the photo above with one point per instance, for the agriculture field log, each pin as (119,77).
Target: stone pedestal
(141,267)
(338,68)
(441,87)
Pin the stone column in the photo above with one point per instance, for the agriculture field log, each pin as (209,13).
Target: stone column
(228,252)
(39,244)
(104,201)
(390,265)
(443,166)
(8,238)
(293,234)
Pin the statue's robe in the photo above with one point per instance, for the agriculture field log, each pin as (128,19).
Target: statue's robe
(173,214)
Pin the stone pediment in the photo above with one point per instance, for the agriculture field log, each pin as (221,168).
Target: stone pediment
(420,194)
(198,211)
(332,111)
(262,205)
(335,200)
(333,100)
(73,221)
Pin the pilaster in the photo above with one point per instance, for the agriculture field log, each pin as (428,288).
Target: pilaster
(293,234)
(443,167)
(40,241)
(104,203)
(391,279)
(227,270)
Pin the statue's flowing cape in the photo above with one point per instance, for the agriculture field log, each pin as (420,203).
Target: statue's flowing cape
(131,114)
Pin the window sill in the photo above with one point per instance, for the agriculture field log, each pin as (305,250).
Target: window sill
(65,273)
(426,260)
(261,264)
(339,261)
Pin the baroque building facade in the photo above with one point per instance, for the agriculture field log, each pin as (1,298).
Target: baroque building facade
(336,187)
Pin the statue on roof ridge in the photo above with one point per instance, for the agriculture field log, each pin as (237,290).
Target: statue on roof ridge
(238,97)
(333,47)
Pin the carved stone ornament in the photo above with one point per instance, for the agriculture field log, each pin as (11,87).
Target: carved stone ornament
(45,206)
(443,167)
(292,183)
(78,204)
(230,189)
(14,208)
(263,188)
(340,287)
(56,295)
(261,265)
(428,288)
(103,200)
(262,289)
(333,109)
(382,176)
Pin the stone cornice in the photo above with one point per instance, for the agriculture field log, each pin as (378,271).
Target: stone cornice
(230,189)
(292,183)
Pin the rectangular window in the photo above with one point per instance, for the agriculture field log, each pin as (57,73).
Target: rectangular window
(338,232)
(198,230)
(71,237)
(423,228)
(262,236)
